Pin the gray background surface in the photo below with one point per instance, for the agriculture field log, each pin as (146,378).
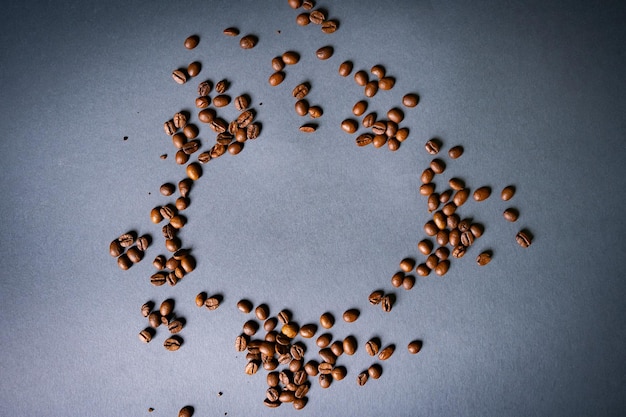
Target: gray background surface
(533,90)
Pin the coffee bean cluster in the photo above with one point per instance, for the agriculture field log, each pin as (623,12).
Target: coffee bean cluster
(317,17)
(163,316)
(129,249)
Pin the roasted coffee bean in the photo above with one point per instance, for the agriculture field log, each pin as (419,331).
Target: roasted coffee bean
(179,76)
(241,343)
(379,128)
(431,261)
(315,112)
(194,68)
(178,222)
(212,303)
(276,78)
(190,131)
(308,4)
(364,139)
(324,340)
(460,197)
(386,83)
(253,130)
(511,214)
(427,189)
(157,279)
(453,220)
(221,86)
(330,26)
(295,365)
(235,148)
(349,126)
(242,102)
(245,306)
(371,88)
(284,358)
(317,17)
(116,249)
(433,146)
(427,176)
(278,64)
(172,278)
(204,88)
(482,193)
(172,245)
(251,368)
(396,279)
(203,102)
(395,115)
(191,147)
(248,42)
(430,228)
(271,404)
(168,231)
(221,100)
(523,238)
(270,324)
(303,388)
(123,262)
(146,335)
(262,311)
(369,120)
(311,368)
(127,239)
(387,303)
(414,347)
(175,326)
(454,237)
(327,355)
(324,52)
(442,237)
(182,203)
(166,307)
(379,141)
(302,107)
(442,253)
(325,368)
(194,171)
(361,78)
(173,343)
(455,152)
(204,157)
(467,238)
(303,19)
(484,258)
(167,189)
(272,379)
(337,348)
(375,371)
(402,134)
(146,308)
(376,297)
(169,128)
(284,316)
(422,270)
(442,268)
(386,353)
(438,166)
(325,380)
(362,378)
(407,264)
(201,299)
(507,192)
(291,57)
(308,128)
(393,144)
(456,184)
(459,251)
(267,348)
(154,319)
(192,41)
(345,68)
(186,411)
(449,209)
(206,115)
(351,315)
(218,125)
(297,350)
(408,282)
(359,108)
(300,91)
(410,100)
(308,330)
(433,202)
(290,330)
(272,394)
(231,31)
(349,345)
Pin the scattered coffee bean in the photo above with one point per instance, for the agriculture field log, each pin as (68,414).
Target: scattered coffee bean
(212,303)
(397,278)
(231,31)
(523,238)
(124,262)
(327,320)
(376,297)
(276,78)
(349,126)
(410,100)
(290,330)
(345,68)
(507,192)
(484,258)
(386,83)
(248,42)
(291,57)
(154,319)
(302,107)
(455,152)
(166,307)
(308,128)
(482,193)
(317,17)
(511,214)
(194,68)
(179,76)
(324,52)
(325,380)
(324,340)
(175,326)
(115,248)
(169,127)
(442,268)
(330,26)
(375,371)
(438,166)
(362,378)
(251,368)
(386,353)
(192,41)
(351,315)
(303,19)
(349,345)
(146,335)
(387,303)
(433,146)
(460,197)
(371,88)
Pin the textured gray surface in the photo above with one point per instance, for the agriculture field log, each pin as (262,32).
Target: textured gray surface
(534,93)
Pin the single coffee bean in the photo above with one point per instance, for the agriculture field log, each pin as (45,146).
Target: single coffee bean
(467,238)
(245,306)
(242,102)
(511,214)
(361,78)
(308,128)
(241,343)
(123,262)
(291,57)
(251,368)
(395,115)
(386,83)
(212,303)
(127,239)
(349,126)
(248,42)
(250,327)
(337,348)
(414,347)
(324,52)
(115,248)
(278,64)
(396,279)
(235,148)
(300,91)
(221,100)
(456,184)
(206,115)
(330,26)
(308,330)
(460,197)
(484,258)
(345,68)
(290,330)
(173,244)
(359,108)
(272,394)
(431,261)
(507,192)
(433,146)
(311,368)
(410,100)
(231,31)
(459,251)
(449,209)
(379,140)
(453,220)
(157,279)
(438,166)
(454,237)
(455,152)
(146,335)
(315,112)
(325,380)
(166,307)
(169,128)
(386,353)
(442,253)
(408,282)
(302,107)
(192,41)
(351,315)
(218,125)
(422,270)
(190,131)
(327,355)
(376,297)
(194,171)
(392,128)
(252,131)
(203,102)
(297,350)
(276,78)
(179,76)
(267,348)
(430,228)
(154,319)
(324,340)
(349,345)
(201,298)
(303,19)
(369,120)
(146,308)
(427,189)
(427,176)
(178,222)
(270,324)
(407,264)
(402,134)
(523,238)
(173,343)
(371,88)
(482,193)
(443,237)
(375,371)
(272,379)
(191,147)
(364,139)
(303,388)
(379,128)
(204,88)
(433,202)
(175,326)
(271,404)
(317,17)
(362,378)
(442,268)
(262,311)
(325,368)
(194,68)
(284,316)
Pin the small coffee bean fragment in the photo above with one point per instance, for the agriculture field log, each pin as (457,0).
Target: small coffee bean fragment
(455,152)
(179,76)
(523,238)
(231,31)
(324,52)
(351,315)
(507,192)
(510,214)
(410,100)
(192,41)
(276,78)
(376,297)
(248,42)
(482,193)
(345,68)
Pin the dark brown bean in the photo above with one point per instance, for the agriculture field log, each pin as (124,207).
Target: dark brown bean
(351,315)
(507,192)
(523,238)
(510,214)
(324,52)
(192,41)
(345,68)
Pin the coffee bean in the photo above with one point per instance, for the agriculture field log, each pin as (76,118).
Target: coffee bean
(262,311)
(442,268)
(212,303)
(192,41)
(523,238)
(427,176)
(253,130)
(325,368)
(308,128)
(179,76)
(484,258)
(482,193)
(427,189)
(242,102)
(271,404)
(395,115)
(241,343)
(194,171)
(371,88)
(407,264)
(327,355)
(172,279)
(146,335)
(433,146)
(278,64)
(303,19)
(359,108)
(386,83)
(349,345)
(127,239)
(169,127)
(276,78)
(376,297)
(362,378)
(402,134)
(442,253)
(168,211)
(301,90)
(453,220)
(330,26)
(351,315)
(173,244)
(325,380)
(166,307)
(290,330)
(203,102)
(349,126)
(221,100)
(302,107)
(460,197)
(387,303)
(337,348)
(311,368)
(379,128)
(459,251)
(245,306)
(146,308)
(123,262)
(431,261)
(194,68)
(507,192)
(168,231)
(455,152)
(115,248)
(251,368)
(511,214)
(361,78)
(324,340)
(291,57)
(270,324)
(248,42)
(317,17)
(408,282)
(438,166)
(410,100)
(364,139)
(154,319)
(272,379)
(272,394)
(250,327)
(422,270)
(324,52)
(173,343)
(379,140)
(386,352)
(157,279)
(186,411)
(284,316)
(218,125)
(175,326)
(430,228)
(315,112)
(396,279)
(231,31)
(345,68)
